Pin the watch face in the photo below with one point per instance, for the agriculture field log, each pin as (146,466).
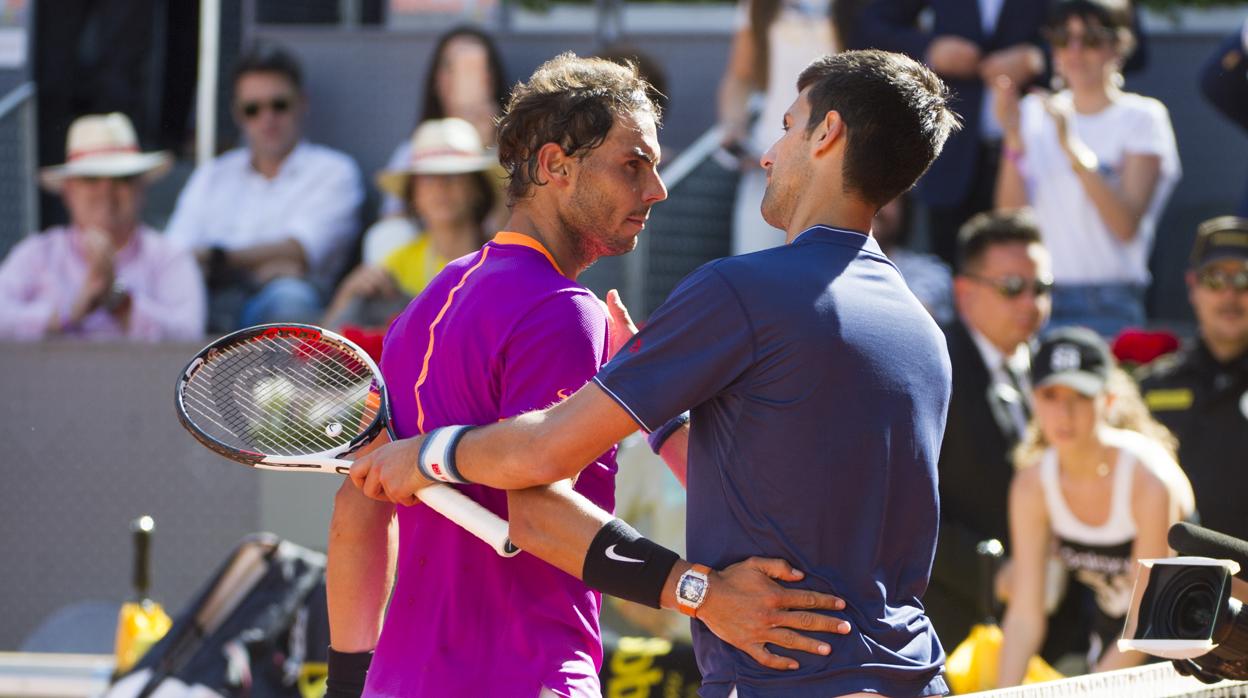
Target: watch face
(691,590)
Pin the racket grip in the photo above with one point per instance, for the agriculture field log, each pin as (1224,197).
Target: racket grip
(470,516)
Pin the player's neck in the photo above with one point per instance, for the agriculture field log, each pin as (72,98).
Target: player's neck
(834,211)
(526,221)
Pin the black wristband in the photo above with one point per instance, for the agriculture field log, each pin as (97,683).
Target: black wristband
(622,563)
(347,672)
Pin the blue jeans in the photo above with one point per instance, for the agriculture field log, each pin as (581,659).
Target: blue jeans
(1106,309)
(284,299)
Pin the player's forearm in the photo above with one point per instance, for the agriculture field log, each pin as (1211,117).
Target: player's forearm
(515,454)
(675,453)
(360,570)
(543,447)
(555,523)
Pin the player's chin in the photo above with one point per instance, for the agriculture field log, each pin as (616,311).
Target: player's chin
(623,245)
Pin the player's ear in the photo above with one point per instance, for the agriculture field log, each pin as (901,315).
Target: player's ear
(828,132)
(553,164)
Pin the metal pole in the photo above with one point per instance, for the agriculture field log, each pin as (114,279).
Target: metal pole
(206,96)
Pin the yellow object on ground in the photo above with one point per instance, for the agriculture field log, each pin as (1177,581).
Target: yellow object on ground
(312,679)
(973,665)
(139,626)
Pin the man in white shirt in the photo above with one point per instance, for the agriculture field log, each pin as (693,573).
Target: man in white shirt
(270,222)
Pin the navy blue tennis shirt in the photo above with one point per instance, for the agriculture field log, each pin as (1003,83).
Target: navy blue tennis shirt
(818,386)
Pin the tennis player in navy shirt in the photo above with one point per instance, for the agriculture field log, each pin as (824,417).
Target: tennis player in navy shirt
(817,386)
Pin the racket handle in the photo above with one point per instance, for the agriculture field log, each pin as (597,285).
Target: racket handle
(471,516)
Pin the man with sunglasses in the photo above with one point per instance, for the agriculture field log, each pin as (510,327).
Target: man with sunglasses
(1001,294)
(1201,392)
(270,222)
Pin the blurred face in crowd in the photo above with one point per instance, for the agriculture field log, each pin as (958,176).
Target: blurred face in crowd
(1067,418)
(444,200)
(463,76)
(614,187)
(269,109)
(985,293)
(108,204)
(1085,54)
(788,165)
(1221,309)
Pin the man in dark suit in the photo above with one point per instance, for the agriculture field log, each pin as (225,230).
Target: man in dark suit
(1224,82)
(1002,297)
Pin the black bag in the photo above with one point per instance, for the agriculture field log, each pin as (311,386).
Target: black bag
(259,629)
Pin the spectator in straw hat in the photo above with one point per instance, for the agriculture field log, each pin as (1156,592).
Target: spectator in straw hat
(270,222)
(105,275)
(448,194)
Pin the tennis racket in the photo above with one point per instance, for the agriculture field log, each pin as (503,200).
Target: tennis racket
(297,398)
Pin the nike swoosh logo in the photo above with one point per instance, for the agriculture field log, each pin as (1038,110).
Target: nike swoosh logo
(619,558)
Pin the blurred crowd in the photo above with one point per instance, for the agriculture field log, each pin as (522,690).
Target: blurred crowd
(1075,436)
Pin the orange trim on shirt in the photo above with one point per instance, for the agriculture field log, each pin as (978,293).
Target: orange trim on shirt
(433,326)
(506,237)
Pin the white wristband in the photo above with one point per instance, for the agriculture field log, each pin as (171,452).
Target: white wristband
(437,455)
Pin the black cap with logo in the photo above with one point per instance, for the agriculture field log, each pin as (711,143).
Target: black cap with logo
(1075,357)
(1224,237)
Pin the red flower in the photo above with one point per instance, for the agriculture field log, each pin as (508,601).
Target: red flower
(1139,347)
(369,340)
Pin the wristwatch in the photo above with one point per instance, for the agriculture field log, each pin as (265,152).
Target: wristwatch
(691,590)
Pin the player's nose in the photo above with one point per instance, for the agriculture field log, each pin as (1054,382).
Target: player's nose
(655,190)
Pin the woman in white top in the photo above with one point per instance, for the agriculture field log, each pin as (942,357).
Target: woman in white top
(1098,484)
(775,40)
(1096,163)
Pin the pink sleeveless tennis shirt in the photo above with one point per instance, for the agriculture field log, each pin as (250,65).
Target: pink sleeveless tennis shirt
(495,334)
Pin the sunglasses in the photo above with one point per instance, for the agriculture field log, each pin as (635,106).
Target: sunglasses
(1216,280)
(251,110)
(1015,286)
(1091,38)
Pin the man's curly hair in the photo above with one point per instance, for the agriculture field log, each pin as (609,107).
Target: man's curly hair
(570,101)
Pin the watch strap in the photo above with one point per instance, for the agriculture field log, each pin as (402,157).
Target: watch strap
(681,605)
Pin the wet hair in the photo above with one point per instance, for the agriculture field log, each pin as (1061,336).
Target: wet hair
(896,114)
(432,107)
(570,101)
(647,67)
(994,228)
(268,58)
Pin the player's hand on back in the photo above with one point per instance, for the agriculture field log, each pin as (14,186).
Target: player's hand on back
(748,609)
(391,473)
(620,327)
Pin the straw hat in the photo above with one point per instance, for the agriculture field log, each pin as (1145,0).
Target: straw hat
(104,145)
(440,147)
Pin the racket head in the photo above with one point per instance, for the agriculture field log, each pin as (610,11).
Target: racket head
(284,390)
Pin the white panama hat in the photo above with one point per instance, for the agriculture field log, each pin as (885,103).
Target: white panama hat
(439,147)
(104,145)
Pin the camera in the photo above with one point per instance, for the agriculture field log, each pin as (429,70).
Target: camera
(1182,609)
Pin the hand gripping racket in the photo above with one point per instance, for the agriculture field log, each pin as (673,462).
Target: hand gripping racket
(297,398)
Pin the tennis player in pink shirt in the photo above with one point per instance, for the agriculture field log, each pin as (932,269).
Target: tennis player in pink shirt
(498,333)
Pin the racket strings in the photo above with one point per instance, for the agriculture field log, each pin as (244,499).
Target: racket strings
(267,419)
(282,396)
